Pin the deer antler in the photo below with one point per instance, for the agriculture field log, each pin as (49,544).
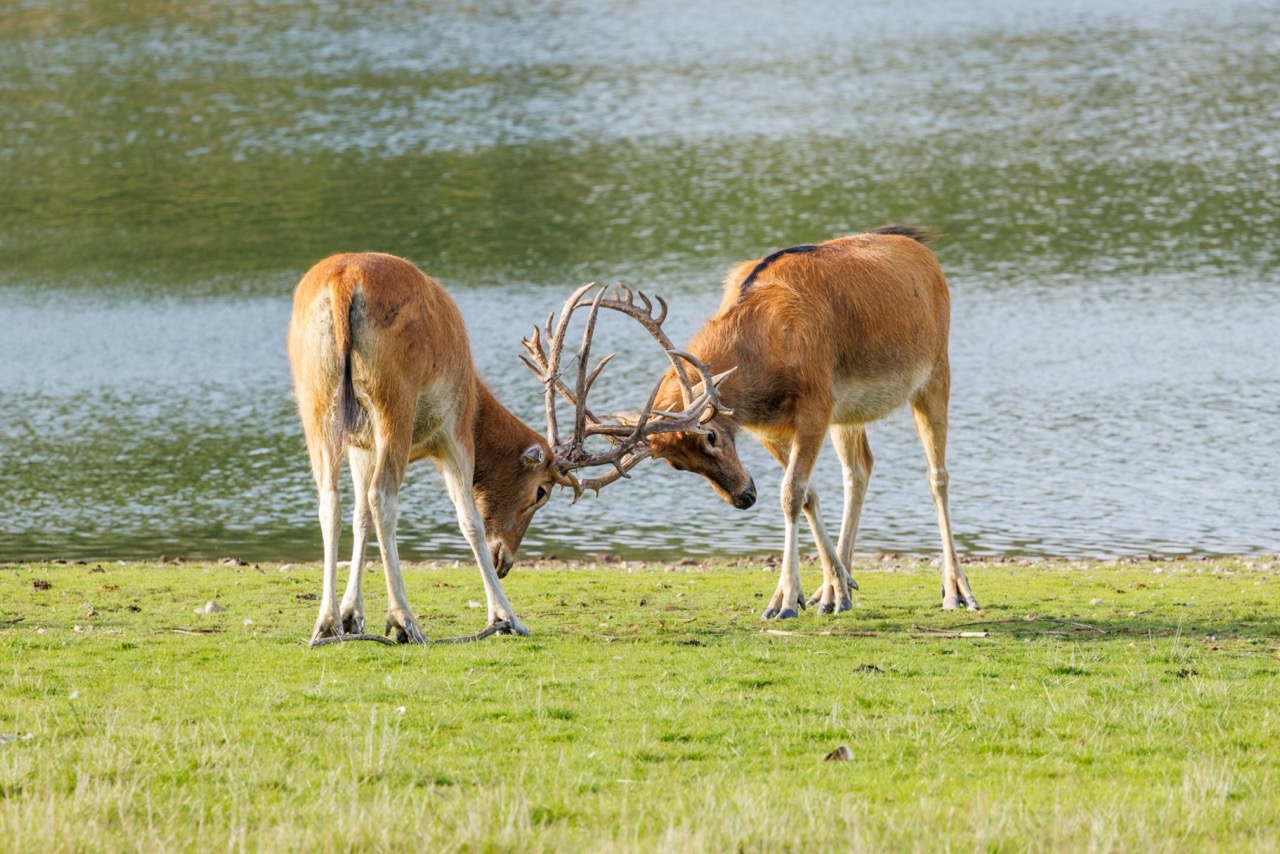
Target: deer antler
(628,441)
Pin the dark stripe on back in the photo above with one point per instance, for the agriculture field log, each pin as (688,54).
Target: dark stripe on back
(759,268)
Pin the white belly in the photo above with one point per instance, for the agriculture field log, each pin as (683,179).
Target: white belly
(860,400)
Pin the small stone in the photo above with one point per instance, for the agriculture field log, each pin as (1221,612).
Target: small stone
(1095,601)
(840,754)
(212,607)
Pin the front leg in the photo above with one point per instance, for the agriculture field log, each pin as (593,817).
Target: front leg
(457,480)
(788,599)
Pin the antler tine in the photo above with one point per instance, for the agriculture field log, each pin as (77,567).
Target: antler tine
(645,317)
(591,380)
(528,363)
(580,405)
(710,397)
(620,470)
(551,372)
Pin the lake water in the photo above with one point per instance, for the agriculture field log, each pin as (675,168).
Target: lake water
(1108,176)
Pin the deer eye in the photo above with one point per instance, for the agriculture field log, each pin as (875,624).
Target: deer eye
(542,493)
(711,437)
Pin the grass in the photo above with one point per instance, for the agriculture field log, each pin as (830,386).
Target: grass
(1109,707)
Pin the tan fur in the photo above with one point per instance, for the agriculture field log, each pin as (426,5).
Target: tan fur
(827,340)
(412,392)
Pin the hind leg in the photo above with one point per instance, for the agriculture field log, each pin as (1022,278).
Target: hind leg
(325,460)
(361,462)
(856,463)
(391,455)
(929,407)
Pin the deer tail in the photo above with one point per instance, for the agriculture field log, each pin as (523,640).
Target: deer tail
(342,290)
(916,233)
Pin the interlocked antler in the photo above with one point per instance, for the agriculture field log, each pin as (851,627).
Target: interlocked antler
(629,442)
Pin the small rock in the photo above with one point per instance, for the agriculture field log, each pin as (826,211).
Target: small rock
(40,584)
(840,754)
(248,622)
(1095,601)
(212,607)
(89,610)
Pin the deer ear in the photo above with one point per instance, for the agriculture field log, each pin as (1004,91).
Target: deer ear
(532,457)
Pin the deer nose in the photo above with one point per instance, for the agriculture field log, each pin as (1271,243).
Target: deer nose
(746,497)
(502,560)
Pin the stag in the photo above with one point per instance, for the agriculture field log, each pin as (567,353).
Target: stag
(382,371)
(826,338)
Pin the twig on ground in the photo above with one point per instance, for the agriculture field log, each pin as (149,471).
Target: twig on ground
(500,626)
(931,632)
(1036,620)
(820,634)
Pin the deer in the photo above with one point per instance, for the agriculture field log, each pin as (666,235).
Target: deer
(825,339)
(382,371)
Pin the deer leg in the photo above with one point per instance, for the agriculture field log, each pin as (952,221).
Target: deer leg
(833,596)
(457,473)
(855,462)
(789,598)
(929,407)
(325,462)
(391,455)
(352,610)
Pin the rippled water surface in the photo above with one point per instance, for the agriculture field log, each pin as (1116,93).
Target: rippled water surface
(1108,178)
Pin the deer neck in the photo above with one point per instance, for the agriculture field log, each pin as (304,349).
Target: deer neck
(723,343)
(499,436)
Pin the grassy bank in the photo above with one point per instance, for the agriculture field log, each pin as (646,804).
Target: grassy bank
(1107,706)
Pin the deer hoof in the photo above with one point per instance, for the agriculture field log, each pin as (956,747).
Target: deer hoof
(836,607)
(853,585)
(780,614)
(972,603)
(353,623)
(510,626)
(408,633)
(327,626)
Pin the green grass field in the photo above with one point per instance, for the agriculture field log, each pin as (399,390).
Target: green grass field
(1108,707)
